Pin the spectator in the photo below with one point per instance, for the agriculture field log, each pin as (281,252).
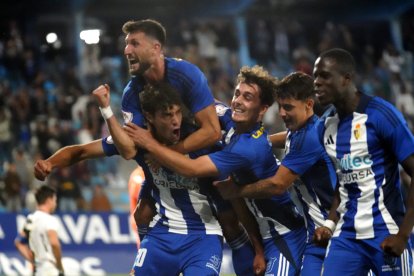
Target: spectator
(12,189)
(68,192)
(100,201)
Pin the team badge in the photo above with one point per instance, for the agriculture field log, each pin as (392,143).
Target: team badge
(357,131)
(127,117)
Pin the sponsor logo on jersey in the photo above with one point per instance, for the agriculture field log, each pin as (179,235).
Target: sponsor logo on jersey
(349,162)
(174,181)
(258,133)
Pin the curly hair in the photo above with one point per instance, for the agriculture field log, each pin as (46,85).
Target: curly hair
(159,97)
(259,76)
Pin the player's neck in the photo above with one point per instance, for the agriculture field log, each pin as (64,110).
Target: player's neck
(44,208)
(349,104)
(244,127)
(156,73)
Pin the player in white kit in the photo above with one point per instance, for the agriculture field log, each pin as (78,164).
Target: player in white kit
(41,231)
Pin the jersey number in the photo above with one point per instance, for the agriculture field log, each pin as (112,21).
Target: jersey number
(139,260)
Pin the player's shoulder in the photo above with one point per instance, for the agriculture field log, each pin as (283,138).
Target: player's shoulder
(222,109)
(382,111)
(255,140)
(180,67)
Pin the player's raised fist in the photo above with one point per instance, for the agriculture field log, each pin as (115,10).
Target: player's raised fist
(102,95)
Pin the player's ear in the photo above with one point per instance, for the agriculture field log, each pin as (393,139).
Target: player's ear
(310,103)
(347,78)
(148,116)
(263,109)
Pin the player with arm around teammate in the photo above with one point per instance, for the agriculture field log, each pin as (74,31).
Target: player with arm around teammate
(247,157)
(183,235)
(306,165)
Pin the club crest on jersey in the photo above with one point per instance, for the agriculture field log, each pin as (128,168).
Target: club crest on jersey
(221,110)
(127,116)
(357,131)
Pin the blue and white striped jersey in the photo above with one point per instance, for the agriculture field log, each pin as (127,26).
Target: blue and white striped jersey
(183,205)
(248,157)
(366,147)
(305,155)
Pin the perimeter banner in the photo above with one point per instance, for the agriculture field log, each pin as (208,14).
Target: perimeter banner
(92,244)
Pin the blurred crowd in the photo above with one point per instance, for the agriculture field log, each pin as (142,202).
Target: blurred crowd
(45,101)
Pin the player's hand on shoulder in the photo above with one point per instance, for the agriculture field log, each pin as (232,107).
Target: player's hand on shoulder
(394,245)
(321,236)
(42,169)
(141,137)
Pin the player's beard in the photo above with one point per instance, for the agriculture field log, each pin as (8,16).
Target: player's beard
(143,67)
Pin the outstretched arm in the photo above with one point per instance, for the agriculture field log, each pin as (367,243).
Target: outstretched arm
(278,139)
(265,188)
(68,156)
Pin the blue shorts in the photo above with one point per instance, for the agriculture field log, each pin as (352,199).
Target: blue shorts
(312,260)
(284,253)
(357,257)
(171,254)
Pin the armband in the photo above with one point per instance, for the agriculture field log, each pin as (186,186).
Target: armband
(330,224)
(22,239)
(106,112)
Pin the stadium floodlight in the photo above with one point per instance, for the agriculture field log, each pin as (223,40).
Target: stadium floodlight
(90,36)
(51,38)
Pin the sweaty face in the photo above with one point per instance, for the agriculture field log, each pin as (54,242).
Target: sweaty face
(167,124)
(294,112)
(245,105)
(139,52)
(329,82)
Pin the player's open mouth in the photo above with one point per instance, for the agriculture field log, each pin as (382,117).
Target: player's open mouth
(133,62)
(176,132)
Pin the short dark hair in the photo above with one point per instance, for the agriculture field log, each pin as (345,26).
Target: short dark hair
(259,76)
(296,85)
(43,193)
(159,97)
(150,27)
(345,61)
